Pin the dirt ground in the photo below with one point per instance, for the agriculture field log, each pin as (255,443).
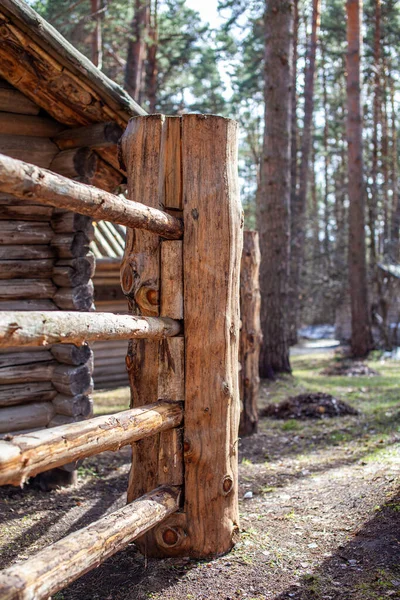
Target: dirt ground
(323,521)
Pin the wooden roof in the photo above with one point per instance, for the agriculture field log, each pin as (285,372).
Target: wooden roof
(39,62)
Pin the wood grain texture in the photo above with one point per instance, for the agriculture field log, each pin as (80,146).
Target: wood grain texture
(212,249)
(140,281)
(24,180)
(20,393)
(33,415)
(25,455)
(250,333)
(20,328)
(153,367)
(85,549)
(26,124)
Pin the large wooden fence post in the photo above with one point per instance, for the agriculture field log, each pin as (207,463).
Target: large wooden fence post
(188,164)
(213,223)
(250,334)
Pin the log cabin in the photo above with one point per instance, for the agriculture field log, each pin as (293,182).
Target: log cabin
(57,111)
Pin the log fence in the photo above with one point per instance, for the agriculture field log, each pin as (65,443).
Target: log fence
(183,293)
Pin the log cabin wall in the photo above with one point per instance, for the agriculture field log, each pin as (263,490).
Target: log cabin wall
(109,357)
(46,264)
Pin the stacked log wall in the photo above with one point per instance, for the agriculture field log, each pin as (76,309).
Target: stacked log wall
(45,264)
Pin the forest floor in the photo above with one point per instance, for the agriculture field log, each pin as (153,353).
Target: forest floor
(323,521)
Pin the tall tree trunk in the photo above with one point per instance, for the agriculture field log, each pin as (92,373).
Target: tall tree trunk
(373,203)
(385,166)
(97,49)
(299,206)
(137,49)
(293,301)
(326,160)
(152,63)
(360,322)
(395,217)
(274,208)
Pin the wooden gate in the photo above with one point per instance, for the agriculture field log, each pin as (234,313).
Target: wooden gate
(180,274)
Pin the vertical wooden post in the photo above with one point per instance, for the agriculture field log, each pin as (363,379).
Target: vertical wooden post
(152,280)
(188,163)
(213,224)
(250,334)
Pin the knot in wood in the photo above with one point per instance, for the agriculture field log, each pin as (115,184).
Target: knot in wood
(171,536)
(227,485)
(226,389)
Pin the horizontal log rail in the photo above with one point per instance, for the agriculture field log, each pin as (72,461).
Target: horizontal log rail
(26,181)
(35,328)
(28,454)
(61,563)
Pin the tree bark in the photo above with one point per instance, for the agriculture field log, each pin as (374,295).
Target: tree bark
(137,49)
(299,207)
(274,201)
(360,321)
(250,334)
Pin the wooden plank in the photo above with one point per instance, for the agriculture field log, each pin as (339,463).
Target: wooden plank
(25,456)
(20,393)
(25,232)
(36,414)
(19,328)
(15,289)
(38,150)
(172,176)
(26,252)
(150,157)
(24,180)
(172,278)
(17,269)
(212,250)
(250,333)
(99,135)
(28,125)
(27,373)
(27,305)
(140,280)
(12,101)
(41,576)
(24,357)
(24,212)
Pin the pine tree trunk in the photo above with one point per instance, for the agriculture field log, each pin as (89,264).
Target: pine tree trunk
(97,51)
(360,322)
(137,49)
(293,171)
(152,63)
(395,217)
(273,212)
(299,206)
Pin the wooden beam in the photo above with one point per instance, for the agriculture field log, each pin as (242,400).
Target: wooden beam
(100,135)
(20,328)
(152,278)
(27,181)
(71,88)
(29,416)
(63,562)
(38,150)
(212,248)
(27,455)
(27,124)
